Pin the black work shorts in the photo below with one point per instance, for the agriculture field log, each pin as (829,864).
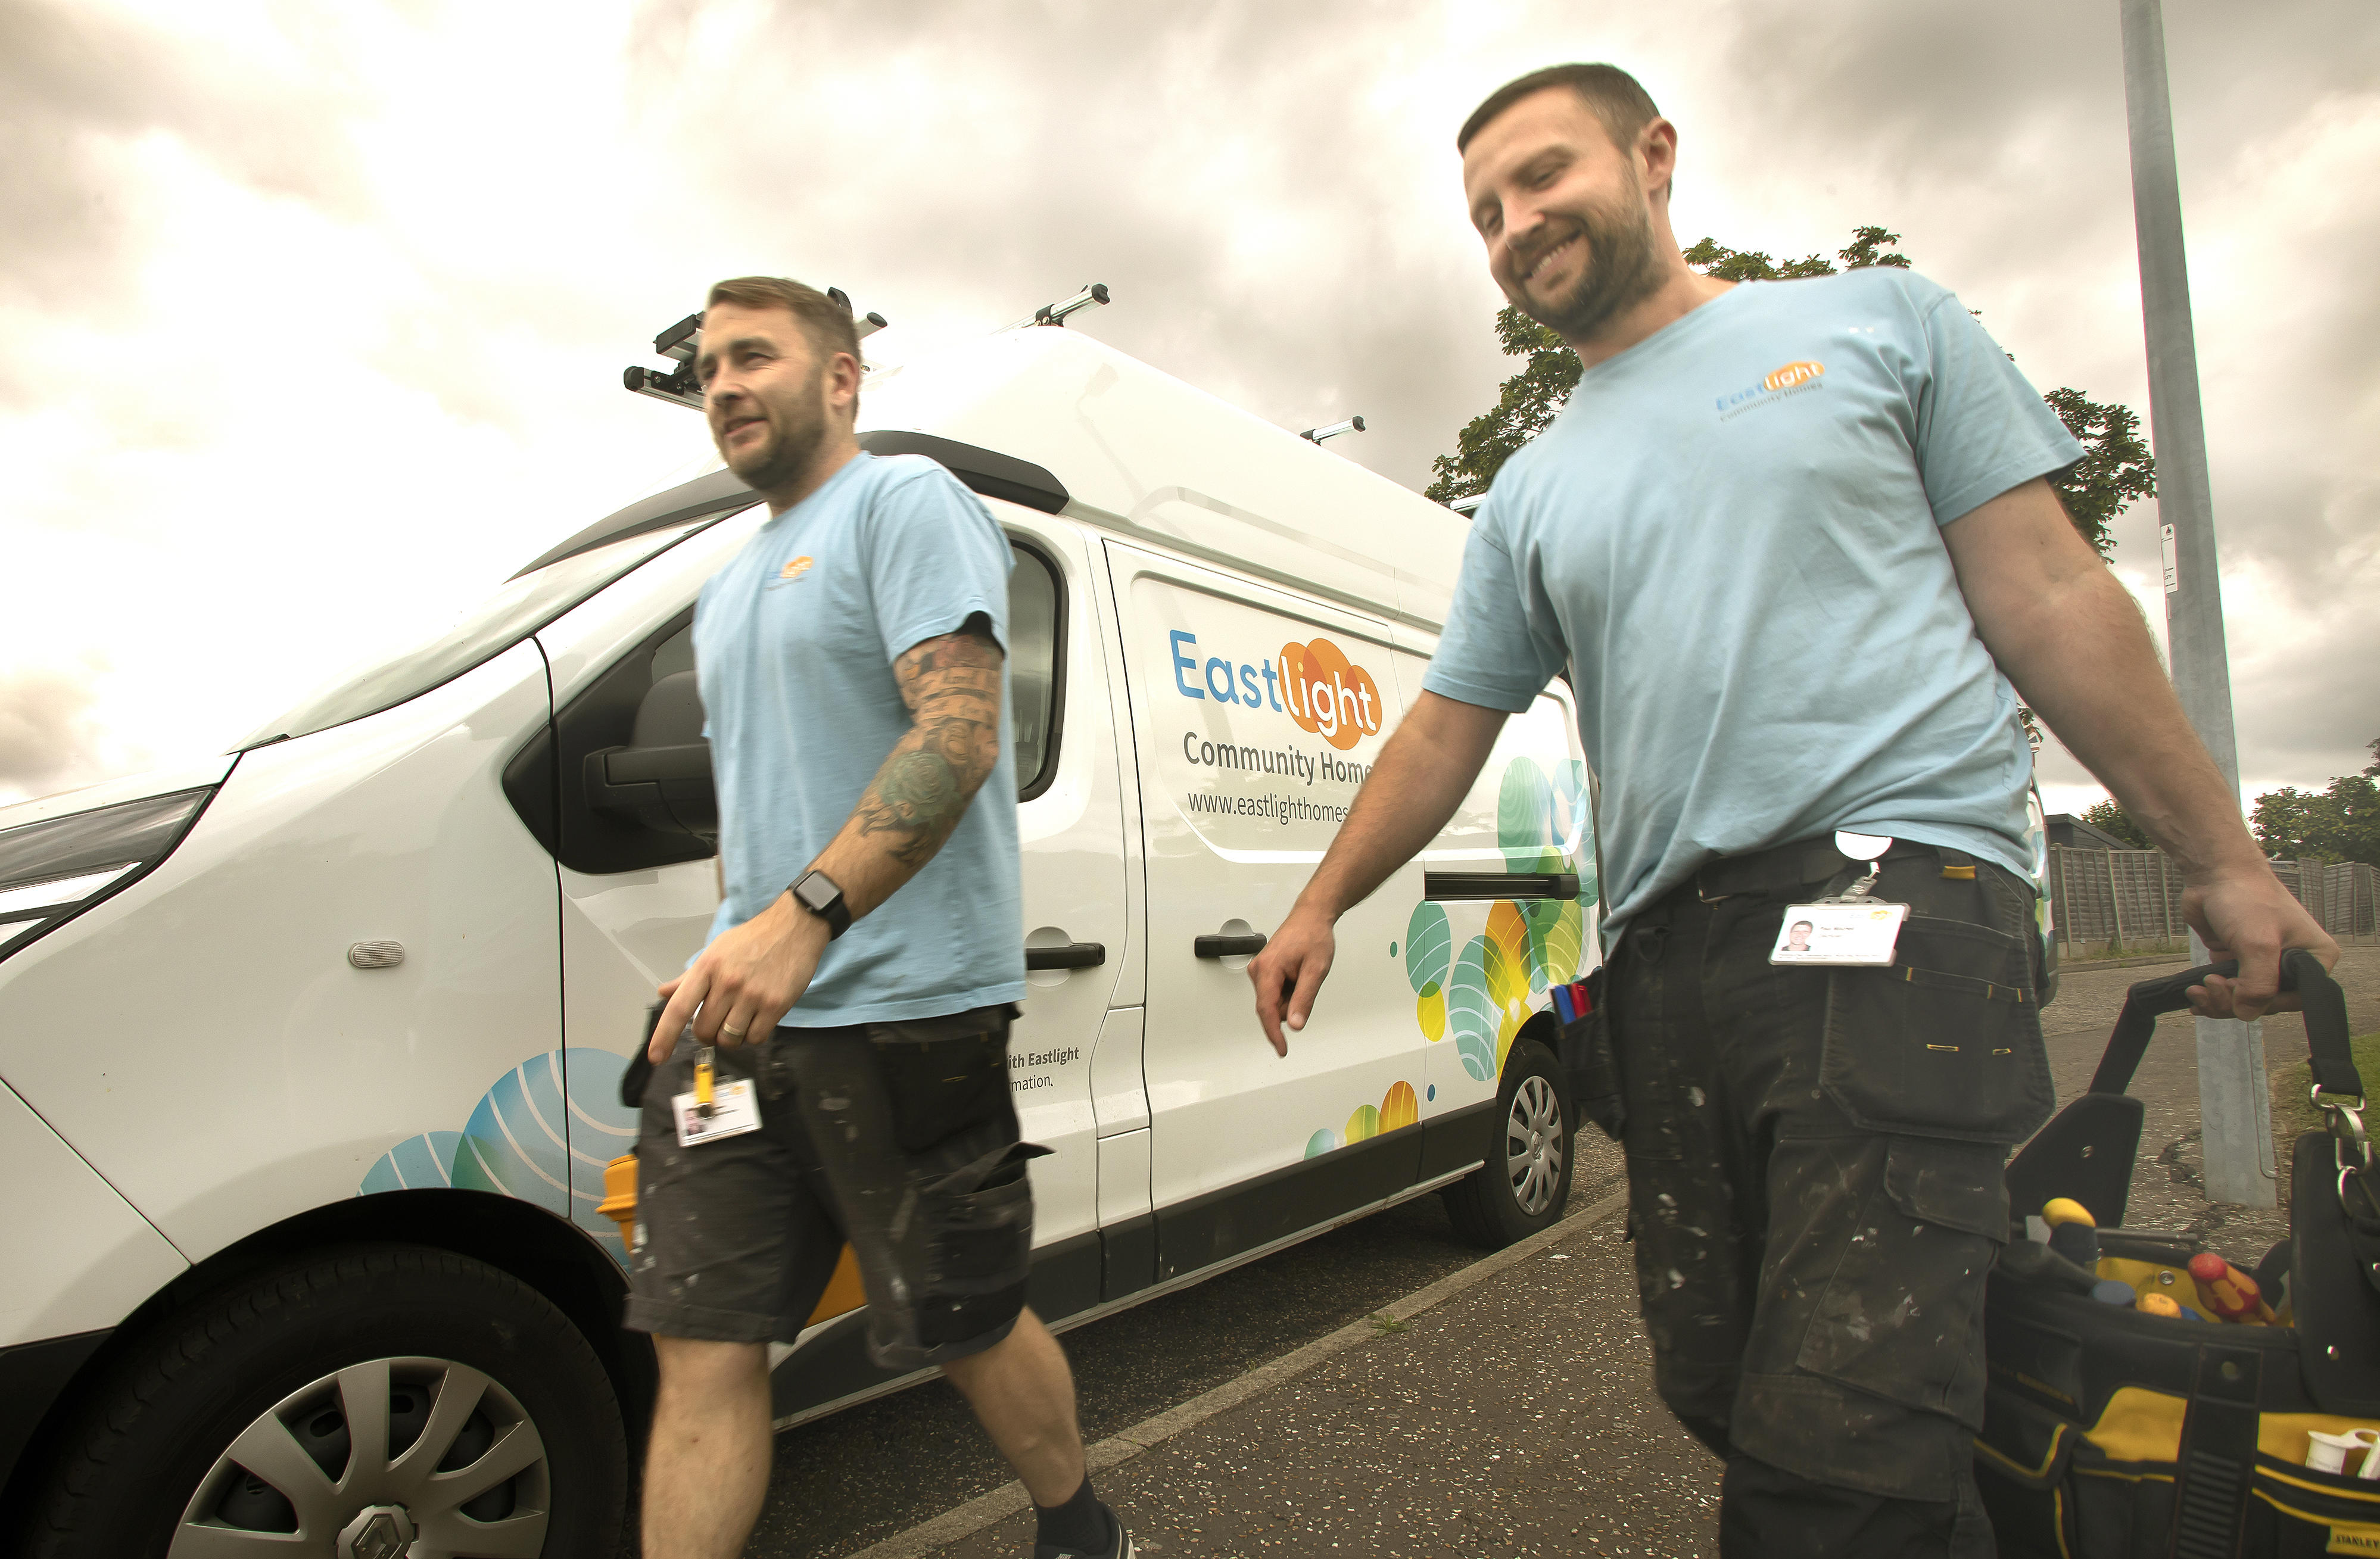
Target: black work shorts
(898,1138)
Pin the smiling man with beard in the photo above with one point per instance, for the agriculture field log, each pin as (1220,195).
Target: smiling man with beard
(1744,475)
(861,969)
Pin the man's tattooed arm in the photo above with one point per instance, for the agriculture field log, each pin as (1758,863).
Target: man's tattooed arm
(952,686)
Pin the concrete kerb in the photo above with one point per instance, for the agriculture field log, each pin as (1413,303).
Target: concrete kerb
(966,1520)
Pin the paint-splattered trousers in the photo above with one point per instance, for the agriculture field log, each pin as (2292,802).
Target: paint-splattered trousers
(901,1137)
(1816,1192)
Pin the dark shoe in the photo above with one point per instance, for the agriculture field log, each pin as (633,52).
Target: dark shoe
(1119,1544)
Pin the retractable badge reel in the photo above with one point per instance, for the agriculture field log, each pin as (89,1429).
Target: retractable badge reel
(1851,930)
(713,1110)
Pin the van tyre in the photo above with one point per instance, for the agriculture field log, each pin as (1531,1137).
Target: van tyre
(404,1399)
(1524,1184)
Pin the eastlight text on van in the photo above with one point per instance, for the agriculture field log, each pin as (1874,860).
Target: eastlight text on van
(1326,692)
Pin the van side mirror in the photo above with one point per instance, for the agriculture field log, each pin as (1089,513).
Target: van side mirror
(662,779)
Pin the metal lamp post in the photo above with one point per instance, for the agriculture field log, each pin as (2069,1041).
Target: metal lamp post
(2235,1106)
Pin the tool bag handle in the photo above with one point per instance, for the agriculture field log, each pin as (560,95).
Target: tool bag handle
(2325,1022)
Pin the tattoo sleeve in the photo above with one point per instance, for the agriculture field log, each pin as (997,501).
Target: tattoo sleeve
(952,685)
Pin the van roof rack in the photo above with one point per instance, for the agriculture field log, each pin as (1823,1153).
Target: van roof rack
(681,340)
(1092,294)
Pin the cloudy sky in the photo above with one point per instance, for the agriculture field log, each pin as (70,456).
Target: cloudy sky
(312,311)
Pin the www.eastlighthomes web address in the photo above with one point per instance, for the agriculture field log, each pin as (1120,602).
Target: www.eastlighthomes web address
(1282,809)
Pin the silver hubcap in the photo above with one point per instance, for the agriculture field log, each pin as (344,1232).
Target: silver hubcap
(397,1458)
(1532,1145)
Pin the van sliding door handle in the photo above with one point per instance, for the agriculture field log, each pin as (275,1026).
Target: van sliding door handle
(1230,947)
(1071,955)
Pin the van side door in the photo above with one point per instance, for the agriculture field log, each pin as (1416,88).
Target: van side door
(1255,714)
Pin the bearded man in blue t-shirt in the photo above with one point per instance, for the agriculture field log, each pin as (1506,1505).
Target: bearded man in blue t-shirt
(1792,545)
(860,973)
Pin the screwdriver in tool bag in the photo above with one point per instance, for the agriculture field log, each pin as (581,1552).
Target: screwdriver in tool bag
(703,1081)
(2228,1292)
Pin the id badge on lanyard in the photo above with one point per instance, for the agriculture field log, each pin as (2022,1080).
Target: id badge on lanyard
(1848,930)
(714,1110)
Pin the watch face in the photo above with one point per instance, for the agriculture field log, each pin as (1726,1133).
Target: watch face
(817,891)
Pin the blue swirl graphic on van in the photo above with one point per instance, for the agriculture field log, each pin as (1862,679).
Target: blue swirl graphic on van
(542,1133)
(423,1163)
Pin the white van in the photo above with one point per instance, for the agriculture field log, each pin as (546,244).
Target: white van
(312,1052)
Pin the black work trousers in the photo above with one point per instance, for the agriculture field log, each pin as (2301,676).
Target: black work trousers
(1816,1192)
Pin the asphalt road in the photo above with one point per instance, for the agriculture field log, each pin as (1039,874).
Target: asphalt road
(844,1482)
(848,1482)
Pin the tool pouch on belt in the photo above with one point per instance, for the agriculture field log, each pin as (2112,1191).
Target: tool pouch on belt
(979,1224)
(1589,1063)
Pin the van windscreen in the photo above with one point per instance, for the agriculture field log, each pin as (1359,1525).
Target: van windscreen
(520,607)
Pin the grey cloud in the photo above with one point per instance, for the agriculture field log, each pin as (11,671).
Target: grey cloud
(47,737)
(1225,171)
(77,85)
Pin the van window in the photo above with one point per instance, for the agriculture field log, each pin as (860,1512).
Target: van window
(1035,682)
(524,605)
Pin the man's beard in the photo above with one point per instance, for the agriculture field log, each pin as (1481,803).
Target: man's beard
(798,429)
(1622,270)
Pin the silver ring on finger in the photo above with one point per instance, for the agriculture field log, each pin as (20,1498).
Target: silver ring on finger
(733,1036)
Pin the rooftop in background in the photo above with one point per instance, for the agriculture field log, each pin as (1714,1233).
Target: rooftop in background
(2075,834)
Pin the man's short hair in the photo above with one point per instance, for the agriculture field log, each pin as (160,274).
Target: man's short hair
(826,323)
(1610,93)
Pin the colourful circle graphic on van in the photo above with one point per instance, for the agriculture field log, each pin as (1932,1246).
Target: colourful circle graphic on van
(542,1133)
(423,1163)
(1398,1109)
(1471,1014)
(1328,694)
(1429,948)
(1557,940)
(514,1143)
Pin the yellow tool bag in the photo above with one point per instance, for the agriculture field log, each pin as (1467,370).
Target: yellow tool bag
(2113,1429)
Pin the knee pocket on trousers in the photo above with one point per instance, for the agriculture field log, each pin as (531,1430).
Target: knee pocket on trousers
(1902,1318)
(979,1246)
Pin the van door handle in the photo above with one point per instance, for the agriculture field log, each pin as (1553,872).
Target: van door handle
(1073,955)
(1230,947)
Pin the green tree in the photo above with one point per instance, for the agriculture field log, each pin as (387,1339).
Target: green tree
(2340,822)
(2116,470)
(2110,818)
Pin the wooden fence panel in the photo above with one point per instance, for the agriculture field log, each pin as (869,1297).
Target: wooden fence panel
(2130,898)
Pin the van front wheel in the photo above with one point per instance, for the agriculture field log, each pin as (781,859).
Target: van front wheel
(380,1400)
(1526,1183)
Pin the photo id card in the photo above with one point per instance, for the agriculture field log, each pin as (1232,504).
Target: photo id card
(1859,933)
(735,1109)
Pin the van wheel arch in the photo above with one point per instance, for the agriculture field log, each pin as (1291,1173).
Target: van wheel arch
(1483,1205)
(572,1272)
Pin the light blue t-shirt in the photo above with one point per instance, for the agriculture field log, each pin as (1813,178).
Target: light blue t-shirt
(794,641)
(1731,536)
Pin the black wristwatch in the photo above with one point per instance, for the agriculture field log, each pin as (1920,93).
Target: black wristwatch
(816,891)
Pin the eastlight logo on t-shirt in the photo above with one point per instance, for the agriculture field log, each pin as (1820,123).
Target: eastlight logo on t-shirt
(1314,684)
(1779,383)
